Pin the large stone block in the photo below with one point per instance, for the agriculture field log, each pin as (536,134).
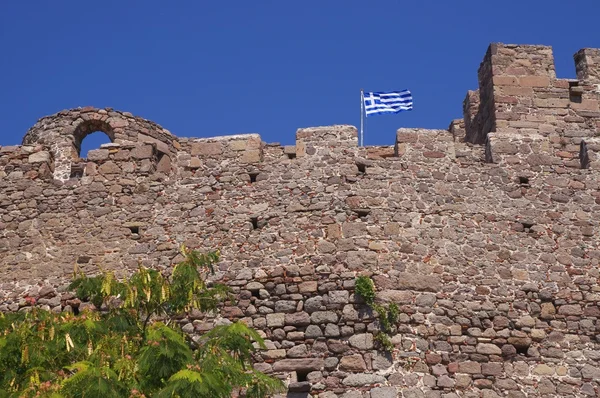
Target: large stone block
(39,157)
(304,364)
(206,149)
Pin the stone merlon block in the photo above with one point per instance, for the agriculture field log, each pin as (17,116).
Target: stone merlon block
(587,64)
(520,60)
(421,144)
(247,147)
(514,148)
(332,137)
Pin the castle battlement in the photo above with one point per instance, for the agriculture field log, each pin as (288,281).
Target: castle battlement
(520,96)
(484,234)
(521,114)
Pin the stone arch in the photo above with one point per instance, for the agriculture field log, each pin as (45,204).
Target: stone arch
(86,128)
(64,131)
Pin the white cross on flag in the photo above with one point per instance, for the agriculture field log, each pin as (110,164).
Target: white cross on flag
(387,102)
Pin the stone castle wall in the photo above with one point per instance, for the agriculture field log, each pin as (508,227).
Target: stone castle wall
(485,234)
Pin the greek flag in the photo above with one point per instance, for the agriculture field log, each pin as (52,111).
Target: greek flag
(388,102)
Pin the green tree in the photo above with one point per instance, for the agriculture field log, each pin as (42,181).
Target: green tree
(133,347)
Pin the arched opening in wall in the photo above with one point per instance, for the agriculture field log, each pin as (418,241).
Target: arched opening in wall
(93,141)
(89,135)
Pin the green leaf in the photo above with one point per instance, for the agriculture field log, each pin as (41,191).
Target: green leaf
(125,352)
(164,354)
(365,288)
(91,381)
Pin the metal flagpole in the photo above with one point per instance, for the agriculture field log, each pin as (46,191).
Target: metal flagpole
(362,115)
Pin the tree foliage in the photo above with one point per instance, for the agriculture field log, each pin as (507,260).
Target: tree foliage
(133,346)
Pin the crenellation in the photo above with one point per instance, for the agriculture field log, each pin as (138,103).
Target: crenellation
(520,94)
(484,234)
(245,148)
(329,139)
(523,61)
(457,129)
(587,65)
(418,145)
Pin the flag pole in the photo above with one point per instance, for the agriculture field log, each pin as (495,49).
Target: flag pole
(362,114)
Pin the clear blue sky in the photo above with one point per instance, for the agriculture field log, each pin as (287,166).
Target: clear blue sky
(203,68)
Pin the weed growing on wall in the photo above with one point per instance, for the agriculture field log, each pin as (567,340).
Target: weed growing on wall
(133,347)
(388,315)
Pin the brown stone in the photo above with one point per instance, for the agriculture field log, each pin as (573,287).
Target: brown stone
(353,363)
(492,369)
(164,165)
(334,231)
(534,81)
(543,370)
(251,156)
(109,167)
(570,310)
(433,154)
(195,163)
(551,103)
(96,155)
(505,81)
(297,319)
(586,104)
(307,287)
(395,296)
(304,364)
(273,354)
(548,311)
(142,152)
(488,349)
(418,282)
(433,358)
(469,367)
(232,312)
(206,149)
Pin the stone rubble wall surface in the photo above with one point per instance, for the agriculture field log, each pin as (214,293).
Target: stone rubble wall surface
(490,249)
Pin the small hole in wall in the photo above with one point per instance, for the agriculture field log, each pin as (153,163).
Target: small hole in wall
(522,349)
(291,156)
(83,259)
(75,310)
(584,157)
(575,92)
(362,168)
(254,221)
(255,293)
(135,232)
(524,181)
(77,170)
(253,176)
(362,213)
(301,375)
(159,157)
(527,226)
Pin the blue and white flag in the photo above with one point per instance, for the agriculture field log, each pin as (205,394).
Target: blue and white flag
(388,102)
